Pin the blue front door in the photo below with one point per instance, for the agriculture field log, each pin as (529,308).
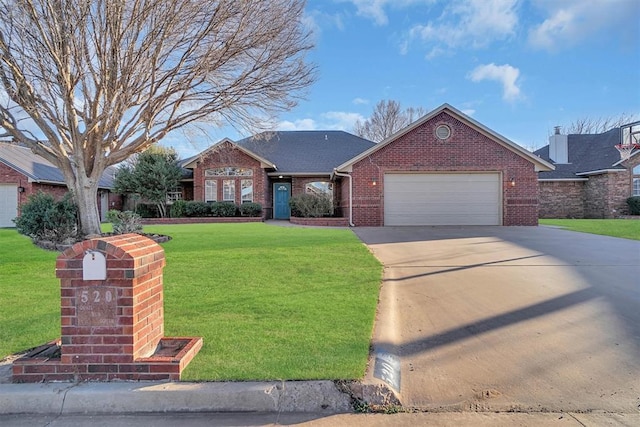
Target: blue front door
(281,194)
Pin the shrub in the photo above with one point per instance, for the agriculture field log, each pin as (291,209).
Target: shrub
(42,217)
(250,209)
(147,210)
(634,205)
(223,209)
(311,206)
(194,208)
(178,209)
(125,222)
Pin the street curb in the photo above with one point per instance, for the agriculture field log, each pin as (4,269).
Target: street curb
(145,397)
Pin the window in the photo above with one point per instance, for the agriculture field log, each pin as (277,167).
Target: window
(247,190)
(174,195)
(210,191)
(228,171)
(229,190)
(319,188)
(636,181)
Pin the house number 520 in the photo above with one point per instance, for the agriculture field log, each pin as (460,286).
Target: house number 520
(96,296)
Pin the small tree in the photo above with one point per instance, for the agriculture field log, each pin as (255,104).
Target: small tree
(387,118)
(152,176)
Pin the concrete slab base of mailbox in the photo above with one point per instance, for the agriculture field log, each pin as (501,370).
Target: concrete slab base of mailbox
(43,364)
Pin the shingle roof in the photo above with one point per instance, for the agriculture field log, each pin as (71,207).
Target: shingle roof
(301,152)
(586,153)
(37,169)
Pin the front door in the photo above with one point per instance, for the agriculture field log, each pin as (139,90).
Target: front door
(281,195)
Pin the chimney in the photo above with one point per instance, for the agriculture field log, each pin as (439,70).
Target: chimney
(559,146)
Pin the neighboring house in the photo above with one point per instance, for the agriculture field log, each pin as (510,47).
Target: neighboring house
(22,173)
(590,179)
(444,169)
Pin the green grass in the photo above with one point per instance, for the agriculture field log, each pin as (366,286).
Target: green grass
(625,228)
(270,302)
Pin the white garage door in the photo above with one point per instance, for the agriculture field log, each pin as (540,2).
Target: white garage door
(442,199)
(8,204)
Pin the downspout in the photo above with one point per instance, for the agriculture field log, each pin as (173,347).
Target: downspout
(335,171)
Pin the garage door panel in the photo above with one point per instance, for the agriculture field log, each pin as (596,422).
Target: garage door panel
(8,204)
(442,199)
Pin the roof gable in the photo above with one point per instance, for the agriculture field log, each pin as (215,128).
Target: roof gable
(540,164)
(192,162)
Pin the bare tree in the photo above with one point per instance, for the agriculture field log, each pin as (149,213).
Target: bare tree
(387,118)
(589,125)
(87,83)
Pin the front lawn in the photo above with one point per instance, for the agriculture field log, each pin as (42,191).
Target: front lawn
(271,302)
(625,228)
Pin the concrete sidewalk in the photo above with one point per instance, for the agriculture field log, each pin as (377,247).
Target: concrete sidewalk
(147,397)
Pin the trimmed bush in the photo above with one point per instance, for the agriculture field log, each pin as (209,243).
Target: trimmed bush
(311,206)
(250,209)
(225,209)
(194,208)
(124,222)
(147,210)
(178,209)
(42,217)
(634,205)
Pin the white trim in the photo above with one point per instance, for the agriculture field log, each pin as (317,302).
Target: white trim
(540,164)
(350,194)
(598,172)
(562,179)
(264,163)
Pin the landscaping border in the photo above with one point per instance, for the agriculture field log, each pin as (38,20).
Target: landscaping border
(320,222)
(200,220)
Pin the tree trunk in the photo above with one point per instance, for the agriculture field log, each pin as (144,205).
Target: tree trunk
(86,194)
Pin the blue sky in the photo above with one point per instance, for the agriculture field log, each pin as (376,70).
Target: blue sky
(519,67)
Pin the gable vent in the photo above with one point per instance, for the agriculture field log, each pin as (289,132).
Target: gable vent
(443,132)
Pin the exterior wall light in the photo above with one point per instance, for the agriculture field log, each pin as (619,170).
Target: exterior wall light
(374,181)
(513,182)
(20,189)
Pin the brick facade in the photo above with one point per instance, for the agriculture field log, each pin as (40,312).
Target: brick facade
(600,196)
(112,323)
(466,150)
(561,199)
(227,155)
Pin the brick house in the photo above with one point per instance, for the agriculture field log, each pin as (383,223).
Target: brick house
(22,173)
(444,169)
(591,179)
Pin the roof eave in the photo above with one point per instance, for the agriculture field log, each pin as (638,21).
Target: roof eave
(599,172)
(562,179)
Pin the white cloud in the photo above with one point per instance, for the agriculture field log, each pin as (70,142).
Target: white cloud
(469,112)
(331,120)
(301,124)
(341,120)
(474,23)
(504,74)
(360,101)
(375,9)
(572,21)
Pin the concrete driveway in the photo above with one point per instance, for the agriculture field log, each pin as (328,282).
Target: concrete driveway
(509,318)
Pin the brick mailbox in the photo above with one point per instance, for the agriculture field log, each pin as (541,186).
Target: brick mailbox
(112,317)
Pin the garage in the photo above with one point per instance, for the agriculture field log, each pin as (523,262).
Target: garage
(442,199)
(8,204)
